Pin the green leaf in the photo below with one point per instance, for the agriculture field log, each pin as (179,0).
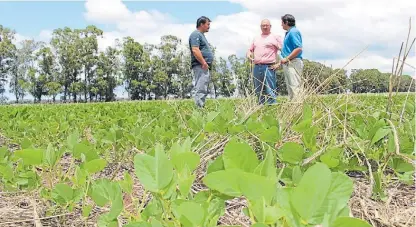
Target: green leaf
(81,151)
(349,222)
(303,126)
(224,181)
(30,156)
(95,165)
(271,135)
(189,159)
(138,224)
(63,193)
(3,152)
(296,175)
(185,181)
(216,209)
(259,225)
(256,187)
(72,140)
(239,155)
(377,125)
(191,214)
(257,208)
(155,173)
(267,167)
(292,152)
(391,148)
(50,156)
(26,144)
(86,210)
(310,194)
(216,165)
(273,214)
(331,157)
(337,198)
(127,183)
(380,134)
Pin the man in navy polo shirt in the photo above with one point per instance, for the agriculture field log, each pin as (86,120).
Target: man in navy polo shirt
(292,57)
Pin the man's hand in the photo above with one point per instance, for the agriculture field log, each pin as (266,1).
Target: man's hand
(275,66)
(249,56)
(198,55)
(284,61)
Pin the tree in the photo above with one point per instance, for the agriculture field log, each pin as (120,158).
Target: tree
(184,77)
(7,54)
(74,66)
(24,77)
(241,69)
(107,71)
(324,78)
(168,68)
(136,63)
(64,41)
(88,46)
(369,81)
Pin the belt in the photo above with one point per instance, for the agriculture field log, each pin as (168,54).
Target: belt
(265,63)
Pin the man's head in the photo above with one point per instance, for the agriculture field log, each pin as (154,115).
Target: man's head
(203,23)
(265,26)
(288,21)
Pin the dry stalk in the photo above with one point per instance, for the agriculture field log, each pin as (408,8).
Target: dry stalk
(313,157)
(34,219)
(403,63)
(397,145)
(327,80)
(398,71)
(405,102)
(35,214)
(345,120)
(405,56)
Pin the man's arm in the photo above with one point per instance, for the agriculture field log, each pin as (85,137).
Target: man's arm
(297,40)
(250,50)
(195,41)
(279,42)
(198,55)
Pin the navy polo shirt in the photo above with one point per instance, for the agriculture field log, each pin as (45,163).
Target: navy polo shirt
(292,40)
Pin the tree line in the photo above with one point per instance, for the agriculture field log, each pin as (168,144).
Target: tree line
(72,67)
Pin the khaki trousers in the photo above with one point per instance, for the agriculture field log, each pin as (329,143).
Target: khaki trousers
(293,77)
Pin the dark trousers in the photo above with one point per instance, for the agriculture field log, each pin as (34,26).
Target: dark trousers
(265,84)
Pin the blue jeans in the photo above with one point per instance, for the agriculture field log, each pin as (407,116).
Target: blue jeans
(266,90)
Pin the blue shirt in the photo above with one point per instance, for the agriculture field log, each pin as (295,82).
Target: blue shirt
(292,40)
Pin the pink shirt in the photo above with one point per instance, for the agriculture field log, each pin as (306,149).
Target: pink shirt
(265,48)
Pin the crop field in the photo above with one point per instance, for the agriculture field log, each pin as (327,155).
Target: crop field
(330,161)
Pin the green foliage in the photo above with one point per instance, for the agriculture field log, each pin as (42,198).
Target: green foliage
(81,156)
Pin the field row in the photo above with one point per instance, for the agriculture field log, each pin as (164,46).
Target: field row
(168,164)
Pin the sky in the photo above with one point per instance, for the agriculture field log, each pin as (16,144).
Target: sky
(333,31)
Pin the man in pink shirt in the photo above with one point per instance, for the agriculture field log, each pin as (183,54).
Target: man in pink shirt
(265,50)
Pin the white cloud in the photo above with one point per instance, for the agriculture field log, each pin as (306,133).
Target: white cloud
(106,11)
(370,61)
(43,36)
(331,29)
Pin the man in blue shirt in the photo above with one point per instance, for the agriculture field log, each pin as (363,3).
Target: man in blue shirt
(201,60)
(292,57)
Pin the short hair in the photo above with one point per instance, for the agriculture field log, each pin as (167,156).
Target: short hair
(202,20)
(289,20)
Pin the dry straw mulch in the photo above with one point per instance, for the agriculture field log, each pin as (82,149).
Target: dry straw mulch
(21,209)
